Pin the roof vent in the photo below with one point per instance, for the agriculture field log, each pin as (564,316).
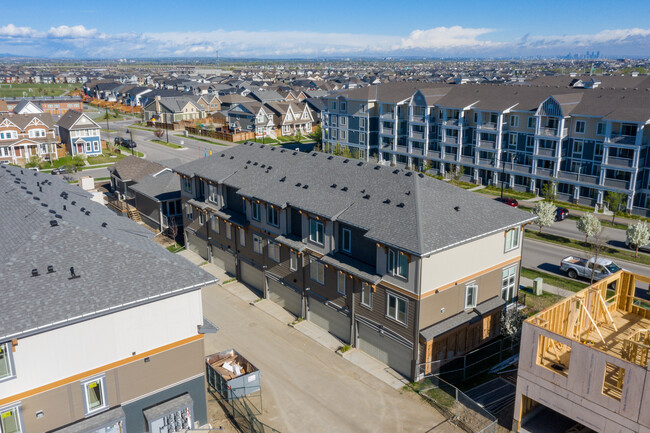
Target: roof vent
(50,269)
(87,212)
(314,154)
(395,171)
(73,275)
(409,173)
(44,204)
(248,162)
(65,207)
(359,163)
(232,157)
(298,184)
(282,150)
(294,153)
(457,208)
(367,196)
(305,186)
(104,225)
(40,188)
(54,223)
(345,161)
(400,205)
(52,211)
(255,163)
(333,185)
(34,272)
(345,188)
(408,193)
(269,167)
(387,201)
(36,198)
(263,165)
(222,155)
(330,158)
(420,175)
(83,209)
(377,167)
(74,202)
(23,187)
(283,179)
(58,216)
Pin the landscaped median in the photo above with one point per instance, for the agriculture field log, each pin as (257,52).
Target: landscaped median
(165,143)
(130,151)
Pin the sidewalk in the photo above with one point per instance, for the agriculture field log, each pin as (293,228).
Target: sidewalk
(527,282)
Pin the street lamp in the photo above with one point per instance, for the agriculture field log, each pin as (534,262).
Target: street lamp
(512,158)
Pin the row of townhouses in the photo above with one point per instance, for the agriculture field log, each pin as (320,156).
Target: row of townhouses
(88,341)
(403,266)
(588,140)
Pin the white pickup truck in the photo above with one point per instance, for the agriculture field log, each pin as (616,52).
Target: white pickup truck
(578,267)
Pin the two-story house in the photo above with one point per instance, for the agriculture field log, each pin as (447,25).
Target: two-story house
(89,342)
(173,109)
(23,136)
(405,267)
(80,134)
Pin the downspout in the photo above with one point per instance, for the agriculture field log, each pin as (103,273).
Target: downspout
(416,331)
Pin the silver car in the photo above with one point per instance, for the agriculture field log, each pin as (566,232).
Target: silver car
(644,248)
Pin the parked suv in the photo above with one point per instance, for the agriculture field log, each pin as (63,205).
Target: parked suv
(561,214)
(129,144)
(118,141)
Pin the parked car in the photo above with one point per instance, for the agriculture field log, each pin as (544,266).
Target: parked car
(118,141)
(579,267)
(509,201)
(61,170)
(129,144)
(33,168)
(561,214)
(645,248)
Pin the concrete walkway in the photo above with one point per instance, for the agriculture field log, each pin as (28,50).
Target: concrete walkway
(527,282)
(192,257)
(476,188)
(375,367)
(319,335)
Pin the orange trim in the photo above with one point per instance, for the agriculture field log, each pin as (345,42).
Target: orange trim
(399,290)
(98,370)
(471,277)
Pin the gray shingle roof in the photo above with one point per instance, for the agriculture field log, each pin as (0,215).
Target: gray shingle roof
(68,120)
(462,318)
(118,265)
(160,186)
(397,207)
(134,168)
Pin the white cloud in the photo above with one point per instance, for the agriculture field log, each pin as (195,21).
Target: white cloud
(73,32)
(11,30)
(607,37)
(447,38)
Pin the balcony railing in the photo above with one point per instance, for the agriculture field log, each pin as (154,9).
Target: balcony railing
(488,125)
(418,118)
(486,162)
(620,139)
(519,168)
(581,178)
(450,122)
(386,131)
(434,154)
(544,171)
(449,157)
(485,144)
(417,135)
(417,151)
(400,148)
(616,183)
(450,139)
(467,159)
(388,115)
(542,151)
(385,145)
(552,132)
(620,162)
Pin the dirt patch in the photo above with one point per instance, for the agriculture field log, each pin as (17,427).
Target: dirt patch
(163,240)
(218,419)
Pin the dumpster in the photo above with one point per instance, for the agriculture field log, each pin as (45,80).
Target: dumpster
(231,375)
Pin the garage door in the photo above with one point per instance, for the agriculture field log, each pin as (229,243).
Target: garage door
(197,245)
(252,276)
(337,324)
(286,297)
(394,354)
(224,260)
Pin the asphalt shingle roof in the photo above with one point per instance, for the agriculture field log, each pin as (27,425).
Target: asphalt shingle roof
(133,168)
(161,186)
(118,264)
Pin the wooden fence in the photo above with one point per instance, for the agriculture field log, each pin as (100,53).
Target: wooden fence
(222,135)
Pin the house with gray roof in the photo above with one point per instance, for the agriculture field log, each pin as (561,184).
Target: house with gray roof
(80,134)
(173,109)
(102,329)
(410,269)
(158,200)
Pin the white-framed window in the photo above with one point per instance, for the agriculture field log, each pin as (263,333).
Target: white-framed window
(333,119)
(293,261)
(201,221)
(94,394)
(96,146)
(343,107)
(37,133)
(346,240)
(5,151)
(317,271)
(274,251)
(187,184)
(532,122)
(189,212)
(396,307)
(512,239)
(343,134)
(242,237)
(258,244)
(255,210)
(514,121)
(512,139)
(332,105)
(89,146)
(577,146)
(11,420)
(366,295)
(580,126)
(600,128)
(341,277)
(272,215)
(471,290)
(362,123)
(599,149)
(530,142)
(362,138)
(343,121)
(212,193)
(214,224)
(6,362)
(398,263)
(316,231)
(8,135)
(508,281)
(228,231)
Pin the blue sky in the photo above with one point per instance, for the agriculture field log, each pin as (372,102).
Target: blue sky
(268,29)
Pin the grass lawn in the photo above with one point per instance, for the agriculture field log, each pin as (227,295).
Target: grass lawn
(604,223)
(200,138)
(573,243)
(554,280)
(110,131)
(460,184)
(175,248)
(111,116)
(35,89)
(536,304)
(172,145)
(259,140)
(126,151)
(496,191)
(105,158)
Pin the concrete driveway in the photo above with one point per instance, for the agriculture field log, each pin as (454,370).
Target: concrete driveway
(306,387)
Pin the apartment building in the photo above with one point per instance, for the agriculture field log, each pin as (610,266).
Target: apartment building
(583,363)
(588,140)
(401,265)
(88,341)
(23,136)
(55,105)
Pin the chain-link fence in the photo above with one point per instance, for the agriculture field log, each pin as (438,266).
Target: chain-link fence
(242,411)
(459,408)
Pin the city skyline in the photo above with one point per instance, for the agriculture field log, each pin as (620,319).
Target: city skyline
(338,29)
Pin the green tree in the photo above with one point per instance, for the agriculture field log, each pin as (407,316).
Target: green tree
(589,225)
(638,235)
(337,150)
(545,211)
(34,161)
(346,152)
(616,202)
(549,190)
(317,135)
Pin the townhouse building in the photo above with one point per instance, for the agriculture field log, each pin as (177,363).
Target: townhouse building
(55,105)
(23,136)
(80,134)
(272,119)
(587,140)
(88,341)
(403,266)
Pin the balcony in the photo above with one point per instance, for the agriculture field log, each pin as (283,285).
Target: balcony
(485,144)
(620,162)
(385,146)
(417,118)
(552,132)
(616,183)
(450,157)
(402,149)
(467,159)
(544,172)
(451,122)
(417,135)
(488,125)
(417,151)
(520,168)
(620,139)
(542,151)
(435,154)
(388,115)
(386,131)
(450,139)
(580,178)
(486,162)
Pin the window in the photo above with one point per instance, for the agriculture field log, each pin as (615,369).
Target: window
(96,146)
(10,420)
(200,217)
(343,121)
(6,362)
(599,149)
(89,146)
(600,128)
(8,135)
(512,139)
(346,240)
(316,231)
(613,381)
(242,237)
(514,121)
(508,283)
(512,239)
(362,123)
(187,184)
(255,210)
(189,212)
(530,141)
(340,283)
(476,118)
(532,122)
(258,244)
(343,107)
(362,108)
(366,295)
(333,106)
(343,135)
(580,126)
(470,295)
(577,146)
(553,355)
(398,263)
(94,394)
(273,215)
(5,151)
(396,307)
(317,271)
(274,251)
(228,231)
(293,261)
(214,224)
(212,193)
(36,133)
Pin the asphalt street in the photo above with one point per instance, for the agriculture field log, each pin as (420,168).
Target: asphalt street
(568,229)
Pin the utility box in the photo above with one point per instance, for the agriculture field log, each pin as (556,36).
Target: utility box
(538,286)
(231,375)
(87,183)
